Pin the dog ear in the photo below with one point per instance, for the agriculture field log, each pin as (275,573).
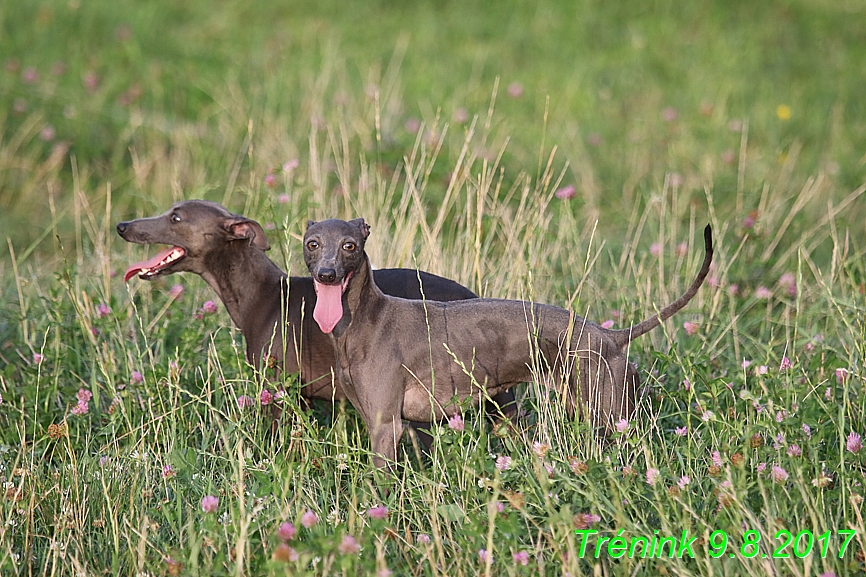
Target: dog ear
(244,228)
(363,226)
(310,223)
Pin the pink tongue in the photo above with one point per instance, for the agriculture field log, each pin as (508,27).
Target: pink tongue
(329,306)
(147,264)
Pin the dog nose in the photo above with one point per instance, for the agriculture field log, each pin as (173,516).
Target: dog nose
(327,275)
(121,227)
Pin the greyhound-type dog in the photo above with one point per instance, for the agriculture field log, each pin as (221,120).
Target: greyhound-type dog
(228,252)
(407,359)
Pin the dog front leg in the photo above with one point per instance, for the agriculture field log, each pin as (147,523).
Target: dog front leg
(380,402)
(385,434)
(385,426)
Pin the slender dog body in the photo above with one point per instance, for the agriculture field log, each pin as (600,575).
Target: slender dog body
(227,251)
(403,359)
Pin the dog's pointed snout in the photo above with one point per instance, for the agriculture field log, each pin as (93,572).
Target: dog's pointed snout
(121,227)
(327,275)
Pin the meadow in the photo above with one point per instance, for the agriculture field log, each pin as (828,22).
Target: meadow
(568,153)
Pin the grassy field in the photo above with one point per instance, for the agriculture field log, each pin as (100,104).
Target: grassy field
(570,153)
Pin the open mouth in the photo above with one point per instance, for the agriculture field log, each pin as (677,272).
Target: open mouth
(154,266)
(329,303)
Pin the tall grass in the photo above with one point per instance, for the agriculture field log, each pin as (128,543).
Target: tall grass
(92,496)
(754,393)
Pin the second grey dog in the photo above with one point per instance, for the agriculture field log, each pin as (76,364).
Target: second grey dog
(401,359)
(228,251)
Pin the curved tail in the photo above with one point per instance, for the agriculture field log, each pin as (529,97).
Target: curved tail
(624,336)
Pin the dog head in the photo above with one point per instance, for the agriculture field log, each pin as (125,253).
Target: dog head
(195,230)
(333,251)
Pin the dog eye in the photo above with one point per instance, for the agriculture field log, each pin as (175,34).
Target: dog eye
(349,246)
(175,217)
(312,245)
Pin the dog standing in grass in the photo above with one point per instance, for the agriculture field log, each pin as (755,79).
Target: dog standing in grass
(398,359)
(228,251)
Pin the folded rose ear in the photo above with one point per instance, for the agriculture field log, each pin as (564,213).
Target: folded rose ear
(244,228)
(362,226)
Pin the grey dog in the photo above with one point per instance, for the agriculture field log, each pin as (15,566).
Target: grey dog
(399,359)
(228,251)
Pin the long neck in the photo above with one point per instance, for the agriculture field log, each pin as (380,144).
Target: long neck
(362,298)
(248,283)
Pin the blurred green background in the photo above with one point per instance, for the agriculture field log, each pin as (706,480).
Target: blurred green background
(740,98)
